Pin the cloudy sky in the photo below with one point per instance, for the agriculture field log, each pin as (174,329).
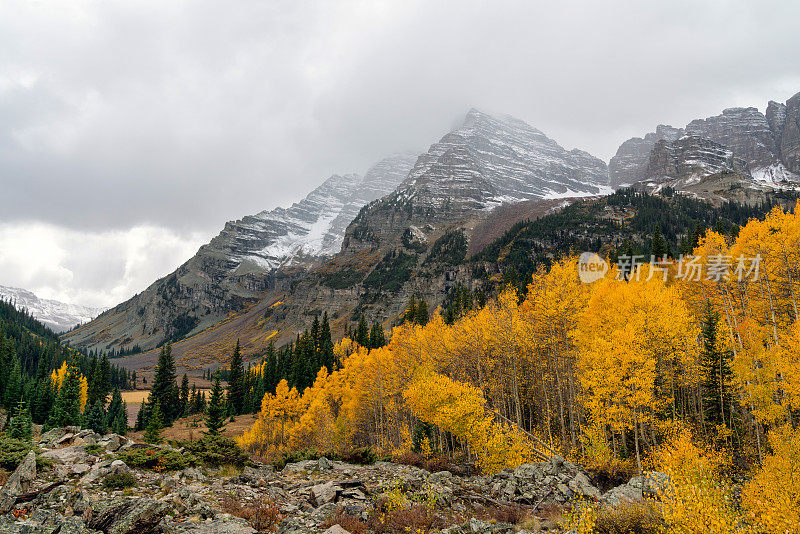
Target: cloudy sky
(130,131)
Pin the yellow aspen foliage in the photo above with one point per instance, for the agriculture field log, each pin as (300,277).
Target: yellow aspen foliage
(632,333)
(57,378)
(278,413)
(771,498)
(461,409)
(695,501)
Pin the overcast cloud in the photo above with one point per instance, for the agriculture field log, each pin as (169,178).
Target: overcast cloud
(130,131)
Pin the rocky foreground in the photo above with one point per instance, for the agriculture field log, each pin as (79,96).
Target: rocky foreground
(87,488)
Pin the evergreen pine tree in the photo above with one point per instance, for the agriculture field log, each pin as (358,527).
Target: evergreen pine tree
(21,426)
(13,390)
(377,338)
(184,395)
(715,365)
(362,333)
(422,313)
(120,423)
(660,248)
(115,407)
(152,433)
(164,390)
(215,413)
(67,407)
(96,418)
(411,311)
(236,384)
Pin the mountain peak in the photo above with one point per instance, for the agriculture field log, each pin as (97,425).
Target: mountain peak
(57,315)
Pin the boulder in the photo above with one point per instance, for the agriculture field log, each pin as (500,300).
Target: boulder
(69,455)
(325,493)
(128,516)
(19,482)
(336,529)
(118,466)
(324,464)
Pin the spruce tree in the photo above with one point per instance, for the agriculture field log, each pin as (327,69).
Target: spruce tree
(184,396)
(422,313)
(120,422)
(152,433)
(13,390)
(115,406)
(21,426)
(215,413)
(96,418)
(660,249)
(377,338)
(411,311)
(67,407)
(362,333)
(236,383)
(164,390)
(717,376)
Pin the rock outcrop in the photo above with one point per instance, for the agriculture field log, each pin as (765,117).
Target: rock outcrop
(303,497)
(756,152)
(629,164)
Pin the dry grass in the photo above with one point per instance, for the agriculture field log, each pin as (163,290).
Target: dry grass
(504,513)
(637,517)
(264,516)
(193,427)
(347,521)
(4,476)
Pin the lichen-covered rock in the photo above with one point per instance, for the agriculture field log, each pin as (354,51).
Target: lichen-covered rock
(127,516)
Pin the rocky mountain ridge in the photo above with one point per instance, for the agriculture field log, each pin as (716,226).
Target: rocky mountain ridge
(762,150)
(57,315)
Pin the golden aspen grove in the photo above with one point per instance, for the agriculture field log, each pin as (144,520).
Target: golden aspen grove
(615,374)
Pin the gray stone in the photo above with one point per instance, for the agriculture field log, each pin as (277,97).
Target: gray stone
(128,516)
(20,481)
(69,455)
(336,529)
(324,464)
(580,484)
(325,493)
(118,466)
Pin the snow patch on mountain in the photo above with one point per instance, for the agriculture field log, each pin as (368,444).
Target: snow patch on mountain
(59,316)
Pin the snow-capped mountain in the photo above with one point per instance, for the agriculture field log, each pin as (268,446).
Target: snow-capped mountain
(491,160)
(310,228)
(761,149)
(240,263)
(59,316)
(485,162)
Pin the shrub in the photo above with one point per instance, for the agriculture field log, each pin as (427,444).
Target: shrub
(504,513)
(94,449)
(12,451)
(414,518)
(158,459)
(216,450)
(640,517)
(347,521)
(117,481)
(263,515)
